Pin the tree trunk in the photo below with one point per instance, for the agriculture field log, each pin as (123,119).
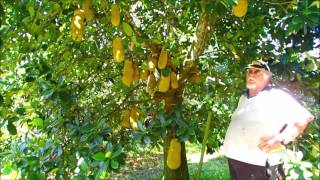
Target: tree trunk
(182,172)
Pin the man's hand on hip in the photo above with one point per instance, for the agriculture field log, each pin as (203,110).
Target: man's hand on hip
(270,143)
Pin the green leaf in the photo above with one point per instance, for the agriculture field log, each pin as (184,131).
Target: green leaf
(117,152)
(11,128)
(298,20)
(1,99)
(99,156)
(31,10)
(114,164)
(47,93)
(180,122)
(101,174)
(315,3)
(61,80)
(180,131)
(127,29)
(82,164)
(37,122)
(7,170)
(21,111)
(165,72)
(231,2)
(147,140)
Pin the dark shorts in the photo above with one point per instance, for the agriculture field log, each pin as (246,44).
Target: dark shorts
(244,171)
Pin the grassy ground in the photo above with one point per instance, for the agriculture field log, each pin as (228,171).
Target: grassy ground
(149,166)
(214,169)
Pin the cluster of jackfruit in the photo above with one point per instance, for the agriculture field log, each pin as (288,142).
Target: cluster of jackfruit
(80,17)
(130,118)
(130,70)
(168,77)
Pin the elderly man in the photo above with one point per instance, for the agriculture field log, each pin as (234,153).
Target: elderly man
(265,120)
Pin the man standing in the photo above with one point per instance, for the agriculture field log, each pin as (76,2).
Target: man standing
(265,120)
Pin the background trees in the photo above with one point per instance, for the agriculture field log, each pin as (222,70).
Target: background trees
(62,96)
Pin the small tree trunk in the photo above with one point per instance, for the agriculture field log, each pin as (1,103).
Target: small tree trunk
(182,172)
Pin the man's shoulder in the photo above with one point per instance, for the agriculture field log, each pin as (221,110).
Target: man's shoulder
(280,93)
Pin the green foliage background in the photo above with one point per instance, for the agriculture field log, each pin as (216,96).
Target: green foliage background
(61,101)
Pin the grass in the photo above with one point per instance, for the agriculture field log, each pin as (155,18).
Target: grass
(213,169)
(216,169)
(147,164)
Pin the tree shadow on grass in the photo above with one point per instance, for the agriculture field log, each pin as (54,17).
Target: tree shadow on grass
(150,167)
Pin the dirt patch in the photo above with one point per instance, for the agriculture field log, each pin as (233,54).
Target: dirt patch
(141,167)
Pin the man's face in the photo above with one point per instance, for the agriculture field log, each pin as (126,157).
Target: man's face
(257,78)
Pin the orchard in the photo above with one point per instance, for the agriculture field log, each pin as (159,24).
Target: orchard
(82,83)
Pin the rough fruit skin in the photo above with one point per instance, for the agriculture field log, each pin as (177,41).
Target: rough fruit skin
(134,116)
(117,43)
(126,119)
(164,83)
(77,25)
(127,77)
(118,55)
(151,84)
(163,59)
(174,157)
(88,12)
(115,15)
(173,80)
(118,51)
(135,73)
(241,8)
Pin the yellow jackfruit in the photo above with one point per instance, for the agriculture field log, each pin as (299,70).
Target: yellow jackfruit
(163,59)
(241,8)
(164,83)
(88,12)
(174,80)
(79,12)
(118,51)
(118,55)
(134,116)
(115,15)
(135,73)
(127,76)
(144,74)
(77,25)
(126,119)
(152,63)
(174,154)
(151,84)
(117,43)
(133,124)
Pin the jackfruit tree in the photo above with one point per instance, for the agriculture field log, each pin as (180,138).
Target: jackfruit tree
(82,82)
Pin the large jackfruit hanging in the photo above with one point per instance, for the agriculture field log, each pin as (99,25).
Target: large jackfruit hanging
(174,154)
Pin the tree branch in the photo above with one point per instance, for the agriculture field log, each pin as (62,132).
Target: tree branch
(205,29)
